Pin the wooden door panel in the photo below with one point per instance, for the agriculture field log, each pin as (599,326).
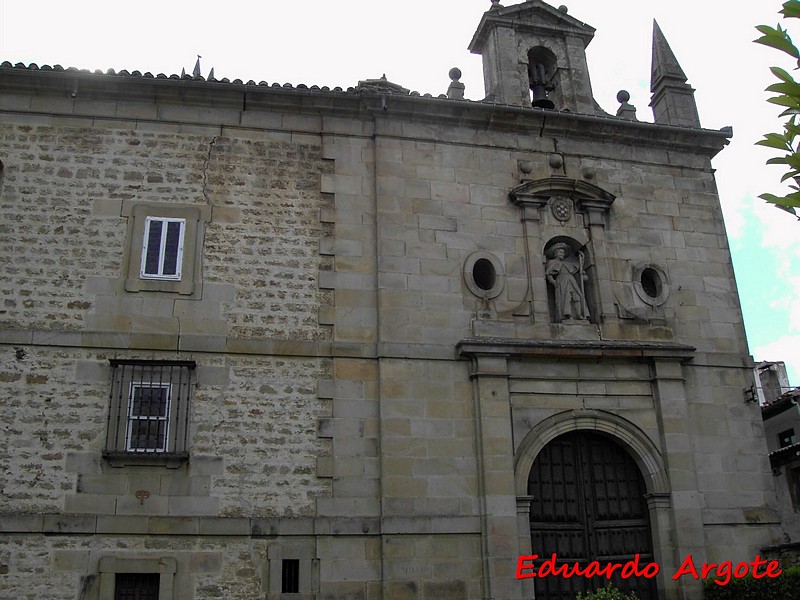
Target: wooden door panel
(588,504)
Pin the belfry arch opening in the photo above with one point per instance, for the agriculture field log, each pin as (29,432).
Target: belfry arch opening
(542,71)
(588,504)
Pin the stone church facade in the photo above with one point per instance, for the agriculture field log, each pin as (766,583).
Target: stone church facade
(271,342)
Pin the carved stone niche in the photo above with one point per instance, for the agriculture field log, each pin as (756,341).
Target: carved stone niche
(570,215)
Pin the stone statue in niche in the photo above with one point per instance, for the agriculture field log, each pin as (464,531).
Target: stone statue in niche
(566,274)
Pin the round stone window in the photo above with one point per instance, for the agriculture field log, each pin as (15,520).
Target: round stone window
(484,275)
(650,283)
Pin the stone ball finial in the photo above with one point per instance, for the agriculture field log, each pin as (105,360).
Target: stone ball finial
(626,110)
(563,8)
(496,4)
(556,161)
(454,74)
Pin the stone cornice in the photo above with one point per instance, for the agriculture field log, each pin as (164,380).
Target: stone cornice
(90,524)
(574,349)
(73,93)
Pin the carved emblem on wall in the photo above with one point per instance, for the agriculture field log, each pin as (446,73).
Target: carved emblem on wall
(561,207)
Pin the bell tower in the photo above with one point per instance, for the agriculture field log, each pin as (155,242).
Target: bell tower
(535,55)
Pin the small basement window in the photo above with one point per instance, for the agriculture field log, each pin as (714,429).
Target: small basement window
(128,578)
(290,576)
(136,586)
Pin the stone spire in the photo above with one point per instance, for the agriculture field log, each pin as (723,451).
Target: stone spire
(672,97)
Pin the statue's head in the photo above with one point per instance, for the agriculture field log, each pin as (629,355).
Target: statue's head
(559,250)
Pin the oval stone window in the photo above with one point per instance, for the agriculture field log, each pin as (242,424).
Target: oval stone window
(651,284)
(484,275)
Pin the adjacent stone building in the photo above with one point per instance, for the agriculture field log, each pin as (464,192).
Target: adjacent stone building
(272,342)
(781,416)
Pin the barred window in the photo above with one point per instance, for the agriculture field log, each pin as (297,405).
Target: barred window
(149,409)
(136,586)
(130,577)
(148,416)
(162,250)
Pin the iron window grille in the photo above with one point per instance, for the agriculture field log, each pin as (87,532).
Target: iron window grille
(136,586)
(162,250)
(149,409)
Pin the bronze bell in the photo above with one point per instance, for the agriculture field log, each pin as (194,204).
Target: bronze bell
(537,76)
(540,99)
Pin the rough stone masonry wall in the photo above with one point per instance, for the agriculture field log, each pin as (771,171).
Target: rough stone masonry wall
(253,417)
(65,241)
(63,567)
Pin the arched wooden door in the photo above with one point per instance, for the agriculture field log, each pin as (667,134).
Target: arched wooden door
(588,504)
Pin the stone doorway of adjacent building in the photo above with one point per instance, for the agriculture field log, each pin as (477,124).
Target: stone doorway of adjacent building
(588,504)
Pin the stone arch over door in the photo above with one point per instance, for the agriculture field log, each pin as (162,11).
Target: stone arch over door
(633,439)
(596,455)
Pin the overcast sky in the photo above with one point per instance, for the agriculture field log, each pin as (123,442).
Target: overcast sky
(416,42)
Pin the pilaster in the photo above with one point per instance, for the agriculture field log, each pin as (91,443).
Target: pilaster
(499,508)
(672,412)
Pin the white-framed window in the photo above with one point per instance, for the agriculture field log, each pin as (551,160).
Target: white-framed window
(148,416)
(149,409)
(165,245)
(162,248)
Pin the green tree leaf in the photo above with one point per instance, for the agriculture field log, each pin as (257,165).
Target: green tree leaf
(774,140)
(781,74)
(791,10)
(785,101)
(791,89)
(785,93)
(778,39)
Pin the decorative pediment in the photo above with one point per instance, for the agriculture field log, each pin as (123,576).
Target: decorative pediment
(539,192)
(534,15)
